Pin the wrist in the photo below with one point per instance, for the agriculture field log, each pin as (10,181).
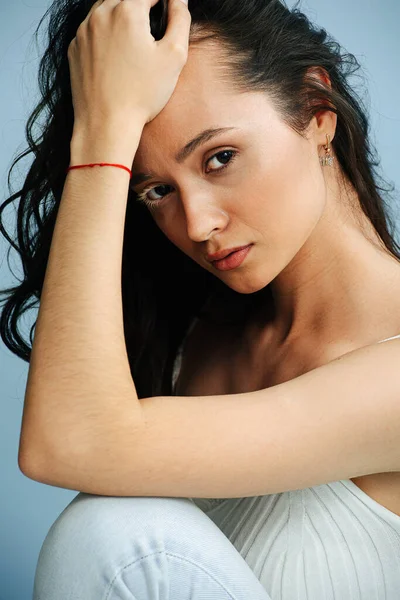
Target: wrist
(90,145)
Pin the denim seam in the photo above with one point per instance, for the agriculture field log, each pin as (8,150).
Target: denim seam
(109,590)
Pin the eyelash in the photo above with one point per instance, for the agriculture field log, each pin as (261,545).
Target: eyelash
(142,196)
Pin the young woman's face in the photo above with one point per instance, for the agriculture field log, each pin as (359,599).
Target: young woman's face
(258,183)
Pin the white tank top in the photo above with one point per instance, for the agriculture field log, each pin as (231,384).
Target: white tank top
(328,542)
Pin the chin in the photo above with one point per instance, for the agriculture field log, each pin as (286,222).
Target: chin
(246,284)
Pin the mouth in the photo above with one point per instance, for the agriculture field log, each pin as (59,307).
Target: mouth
(224,253)
(233,259)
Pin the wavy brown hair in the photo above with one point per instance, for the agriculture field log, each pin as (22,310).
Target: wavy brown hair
(268,47)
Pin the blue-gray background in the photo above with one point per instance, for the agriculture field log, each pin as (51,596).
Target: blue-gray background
(367,28)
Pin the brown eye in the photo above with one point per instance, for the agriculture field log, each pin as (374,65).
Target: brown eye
(225,155)
(158,190)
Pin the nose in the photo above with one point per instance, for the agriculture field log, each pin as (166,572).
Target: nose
(204,217)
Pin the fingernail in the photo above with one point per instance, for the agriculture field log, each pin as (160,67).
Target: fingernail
(184,1)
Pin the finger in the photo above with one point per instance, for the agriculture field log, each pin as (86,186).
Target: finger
(142,5)
(92,9)
(82,26)
(178,25)
(138,11)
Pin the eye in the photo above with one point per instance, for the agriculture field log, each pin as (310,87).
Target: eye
(226,153)
(226,156)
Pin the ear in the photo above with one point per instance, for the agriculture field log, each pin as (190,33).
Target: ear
(320,75)
(324,122)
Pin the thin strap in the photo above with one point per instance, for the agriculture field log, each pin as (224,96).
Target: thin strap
(390,338)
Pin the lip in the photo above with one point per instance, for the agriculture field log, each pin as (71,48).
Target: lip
(233,260)
(223,253)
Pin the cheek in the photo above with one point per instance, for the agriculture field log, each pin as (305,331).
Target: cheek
(171,227)
(286,205)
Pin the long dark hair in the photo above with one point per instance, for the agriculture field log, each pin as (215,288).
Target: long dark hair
(269,47)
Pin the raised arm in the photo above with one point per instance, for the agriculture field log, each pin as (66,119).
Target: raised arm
(79,381)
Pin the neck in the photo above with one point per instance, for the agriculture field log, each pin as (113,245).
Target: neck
(343,285)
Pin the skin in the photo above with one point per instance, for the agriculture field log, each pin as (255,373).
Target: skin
(336,287)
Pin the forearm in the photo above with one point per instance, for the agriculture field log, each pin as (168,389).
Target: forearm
(79,370)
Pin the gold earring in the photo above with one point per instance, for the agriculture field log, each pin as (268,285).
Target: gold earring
(327,160)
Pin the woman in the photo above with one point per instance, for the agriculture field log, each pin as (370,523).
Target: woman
(254,225)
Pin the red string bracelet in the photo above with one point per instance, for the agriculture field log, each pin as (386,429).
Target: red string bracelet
(100,165)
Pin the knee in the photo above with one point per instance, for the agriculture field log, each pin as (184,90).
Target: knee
(93,522)
(95,536)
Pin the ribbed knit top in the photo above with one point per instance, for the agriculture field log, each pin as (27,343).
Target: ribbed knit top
(328,542)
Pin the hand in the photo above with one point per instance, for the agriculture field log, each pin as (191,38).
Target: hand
(119,73)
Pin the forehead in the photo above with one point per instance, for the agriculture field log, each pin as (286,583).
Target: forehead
(204,97)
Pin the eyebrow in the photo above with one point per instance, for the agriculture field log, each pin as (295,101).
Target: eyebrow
(187,150)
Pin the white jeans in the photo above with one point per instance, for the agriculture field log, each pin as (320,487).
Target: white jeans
(140,548)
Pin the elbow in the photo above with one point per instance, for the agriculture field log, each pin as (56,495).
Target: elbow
(36,461)
(45,471)
(30,467)
(30,462)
